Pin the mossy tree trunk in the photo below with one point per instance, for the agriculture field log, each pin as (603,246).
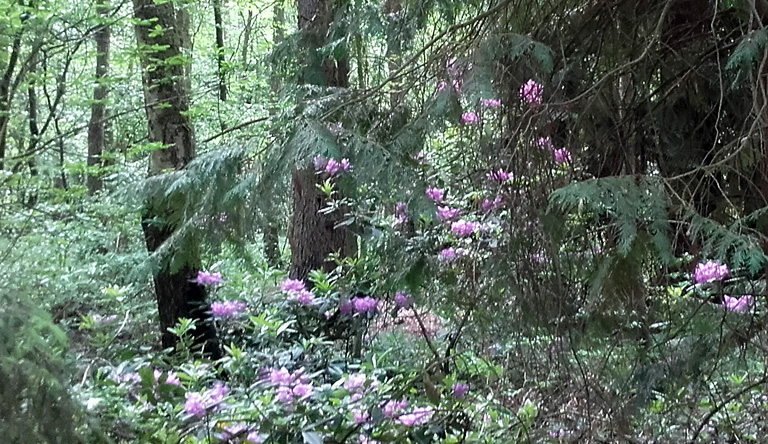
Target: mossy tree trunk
(167,101)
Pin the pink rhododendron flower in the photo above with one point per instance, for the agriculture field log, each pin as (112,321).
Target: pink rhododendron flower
(531,92)
(418,416)
(361,416)
(195,404)
(545,143)
(402,299)
(469,118)
(500,176)
(281,377)
(450,254)
(302,390)
(365,305)
(355,382)
(206,278)
(562,155)
(490,205)
(393,408)
(293,285)
(460,390)
(304,297)
(447,213)
(464,228)
(227,309)
(739,305)
(710,271)
(436,194)
(171,379)
(442,85)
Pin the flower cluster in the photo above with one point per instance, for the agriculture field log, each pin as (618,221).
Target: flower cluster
(418,416)
(562,155)
(206,278)
(436,195)
(531,92)
(469,118)
(464,228)
(227,309)
(297,291)
(172,378)
(500,176)
(290,386)
(739,305)
(490,205)
(460,390)
(357,382)
(447,213)
(365,304)
(402,299)
(233,431)
(392,408)
(331,166)
(709,272)
(450,254)
(197,404)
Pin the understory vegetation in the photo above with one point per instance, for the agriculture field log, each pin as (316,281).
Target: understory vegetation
(370,222)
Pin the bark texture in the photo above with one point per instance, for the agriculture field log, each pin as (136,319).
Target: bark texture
(313,236)
(166,98)
(96,123)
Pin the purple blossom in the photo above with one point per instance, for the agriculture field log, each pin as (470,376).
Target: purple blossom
(464,228)
(131,378)
(447,213)
(490,205)
(460,390)
(365,305)
(401,208)
(490,103)
(739,305)
(436,194)
(346,307)
(450,254)
(281,377)
(710,271)
(227,309)
(198,403)
(304,297)
(469,118)
(356,382)
(418,416)
(500,176)
(402,299)
(557,433)
(303,390)
(393,408)
(562,155)
(104,320)
(319,163)
(531,92)
(361,416)
(206,278)
(442,85)
(195,404)
(284,394)
(171,379)
(293,285)
(545,143)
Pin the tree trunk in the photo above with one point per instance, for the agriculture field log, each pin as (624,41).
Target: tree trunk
(313,236)
(6,93)
(247,36)
(218,22)
(98,107)
(34,128)
(178,295)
